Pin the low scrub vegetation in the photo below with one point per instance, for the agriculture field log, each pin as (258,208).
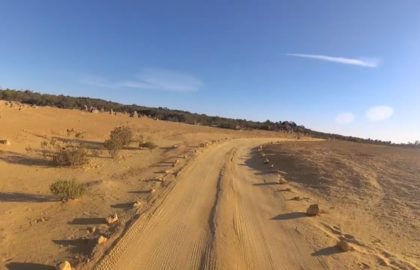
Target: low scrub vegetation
(71,155)
(67,189)
(65,153)
(118,138)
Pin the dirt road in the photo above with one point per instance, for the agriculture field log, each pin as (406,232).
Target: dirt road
(221,214)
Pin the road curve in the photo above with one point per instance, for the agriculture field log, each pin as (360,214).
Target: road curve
(219,215)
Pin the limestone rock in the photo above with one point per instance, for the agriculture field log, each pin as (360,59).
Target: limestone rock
(282,180)
(5,142)
(102,240)
(112,219)
(64,266)
(312,210)
(134,114)
(137,204)
(344,245)
(92,229)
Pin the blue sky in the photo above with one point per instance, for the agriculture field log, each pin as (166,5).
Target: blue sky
(351,67)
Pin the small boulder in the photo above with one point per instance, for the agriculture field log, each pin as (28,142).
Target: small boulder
(92,229)
(344,245)
(64,266)
(137,204)
(5,142)
(282,180)
(312,210)
(266,161)
(102,240)
(152,190)
(134,114)
(112,219)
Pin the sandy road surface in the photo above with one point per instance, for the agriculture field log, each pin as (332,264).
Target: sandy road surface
(221,214)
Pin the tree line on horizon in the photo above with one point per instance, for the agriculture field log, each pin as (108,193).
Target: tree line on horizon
(161,113)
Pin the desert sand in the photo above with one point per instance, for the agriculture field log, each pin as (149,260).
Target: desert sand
(224,200)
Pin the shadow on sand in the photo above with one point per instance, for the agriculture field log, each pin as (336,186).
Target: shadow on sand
(327,251)
(16,158)
(123,205)
(25,197)
(147,191)
(291,165)
(266,184)
(87,221)
(80,246)
(28,266)
(288,216)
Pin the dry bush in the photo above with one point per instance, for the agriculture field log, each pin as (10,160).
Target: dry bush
(122,134)
(67,189)
(113,147)
(118,138)
(71,155)
(75,133)
(65,153)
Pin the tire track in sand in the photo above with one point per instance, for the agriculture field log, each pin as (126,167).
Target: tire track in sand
(215,217)
(177,234)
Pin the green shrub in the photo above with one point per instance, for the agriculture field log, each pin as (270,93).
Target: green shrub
(149,145)
(67,189)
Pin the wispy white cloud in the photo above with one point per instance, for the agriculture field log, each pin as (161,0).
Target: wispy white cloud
(379,113)
(345,118)
(152,79)
(371,63)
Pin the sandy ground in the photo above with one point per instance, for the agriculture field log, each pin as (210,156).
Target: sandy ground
(235,215)
(220,207)
(370,193)
(36,230)
(230,219)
